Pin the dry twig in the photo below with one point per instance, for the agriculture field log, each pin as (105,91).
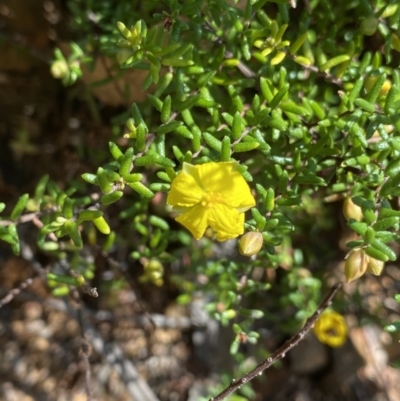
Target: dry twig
(280,352)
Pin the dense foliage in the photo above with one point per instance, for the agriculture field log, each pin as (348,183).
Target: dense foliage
(304,97)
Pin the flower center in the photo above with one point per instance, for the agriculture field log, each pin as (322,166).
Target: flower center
(210,199)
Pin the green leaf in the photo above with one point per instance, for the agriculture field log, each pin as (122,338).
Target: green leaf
(279,96)
(309,179)
(163,84)
(357,226)
(126,163)
(103,181)
(115,150)
(366,106)
(245,146)
(335,61)
(189,102)
(156,102)
(159,187)
(212,142)
(260,116)
(355,91)
(385,223)
(133,177)
(291,107)
(391,187)
(166,49)
(297,43)
(90,178)
(19,207)
(111,197)
(226,149)
(141,189)
(73,231)
(102,225)
(374,93)
(159,222)
(382,247)
(183,131)
(176,62)
(276,121)
(88,214)
(166,128)
(40,188)
(68,208)
(266,89)
(236,126)
(251,313)
(141,137)
(166,110)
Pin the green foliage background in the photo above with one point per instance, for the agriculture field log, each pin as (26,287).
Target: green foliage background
(306,98)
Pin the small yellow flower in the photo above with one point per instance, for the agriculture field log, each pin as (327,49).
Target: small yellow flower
(331,329)
(211,194)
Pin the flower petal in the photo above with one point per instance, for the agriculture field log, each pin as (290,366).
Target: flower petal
(195,220)
(185,190)
(224,179)
(331,329)
(227,222)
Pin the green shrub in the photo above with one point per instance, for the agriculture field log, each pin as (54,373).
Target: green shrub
(305,99)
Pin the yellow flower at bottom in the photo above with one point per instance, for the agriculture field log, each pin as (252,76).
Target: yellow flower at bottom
(211,194)
(331,329)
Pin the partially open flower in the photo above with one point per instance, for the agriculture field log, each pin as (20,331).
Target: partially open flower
(331,329)
(251,243)
(211,194)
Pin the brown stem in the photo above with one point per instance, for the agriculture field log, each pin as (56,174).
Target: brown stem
(280,352)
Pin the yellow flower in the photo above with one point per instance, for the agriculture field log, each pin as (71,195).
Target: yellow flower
(211,194)
(331,329)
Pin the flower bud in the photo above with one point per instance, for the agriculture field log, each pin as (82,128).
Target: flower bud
(351,210)
(251,243)
(375,266)
(355,265)
(59,69)
(153,272)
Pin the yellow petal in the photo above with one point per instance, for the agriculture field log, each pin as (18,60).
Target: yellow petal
(331,329)
(195,220)
(224,179)
(226,221)
(185,190)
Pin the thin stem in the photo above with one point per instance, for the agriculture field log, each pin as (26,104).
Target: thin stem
(280,352)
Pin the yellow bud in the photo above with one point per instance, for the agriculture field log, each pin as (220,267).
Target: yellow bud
(251,243)
(154,265)
(351,210)
(153,272)
(80,280)
(59,69)
(375,266)
(355,265)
